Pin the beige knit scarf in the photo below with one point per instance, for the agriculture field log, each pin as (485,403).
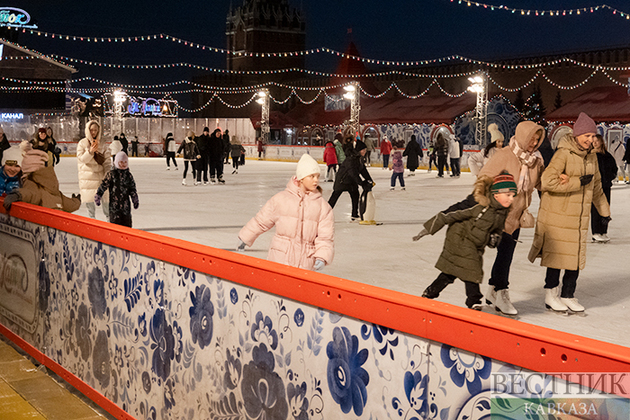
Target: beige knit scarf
(528,160)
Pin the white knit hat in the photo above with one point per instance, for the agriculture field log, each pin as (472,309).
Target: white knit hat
(306,166)
(120,157)
(495,134)
(14,153)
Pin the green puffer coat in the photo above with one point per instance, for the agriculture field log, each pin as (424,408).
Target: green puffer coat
(468,233)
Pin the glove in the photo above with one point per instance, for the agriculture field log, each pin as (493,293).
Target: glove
(97,199)
(422,233)
(586,179)
(10,199)
(495,238)
(76,196)
(241,246)
(604,221)
(319,264)
(134,200)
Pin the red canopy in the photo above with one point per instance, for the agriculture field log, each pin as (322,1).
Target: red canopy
(603,104)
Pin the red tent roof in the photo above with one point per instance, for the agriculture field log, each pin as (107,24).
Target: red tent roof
(603,104)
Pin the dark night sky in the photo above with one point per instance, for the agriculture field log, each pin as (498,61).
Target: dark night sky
(390,30)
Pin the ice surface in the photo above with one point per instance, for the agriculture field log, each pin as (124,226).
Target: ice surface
(384,255)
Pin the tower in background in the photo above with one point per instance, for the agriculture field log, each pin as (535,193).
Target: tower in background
(265,26)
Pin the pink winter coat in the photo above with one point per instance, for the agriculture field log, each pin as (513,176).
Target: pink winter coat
(305,227)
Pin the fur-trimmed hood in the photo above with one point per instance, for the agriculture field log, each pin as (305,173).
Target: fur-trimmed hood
(481,190)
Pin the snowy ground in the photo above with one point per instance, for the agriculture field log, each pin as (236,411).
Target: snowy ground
(382,255)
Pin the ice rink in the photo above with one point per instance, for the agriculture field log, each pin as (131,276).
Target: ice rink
(383,255)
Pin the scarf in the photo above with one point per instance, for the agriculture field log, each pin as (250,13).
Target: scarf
(528,160)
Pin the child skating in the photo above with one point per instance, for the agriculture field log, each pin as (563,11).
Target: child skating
(470,230)
(398,168)
(121,186)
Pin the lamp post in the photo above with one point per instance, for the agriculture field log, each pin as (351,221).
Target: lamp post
(352,94)
(479,85)
(120,96)
(263,99)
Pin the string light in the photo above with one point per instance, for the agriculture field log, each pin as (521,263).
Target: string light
(563,12)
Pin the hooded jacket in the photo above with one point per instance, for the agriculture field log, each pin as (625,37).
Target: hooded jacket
(330,154)
(504,159)
(91,173)
(563,217)
(468,233)
(42,189)
(305,227)
(413,151)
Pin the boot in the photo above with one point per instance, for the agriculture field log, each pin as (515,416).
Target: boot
(221,180)
(572,304)
(491,295)
(213,180)
(503,304)
(553,302)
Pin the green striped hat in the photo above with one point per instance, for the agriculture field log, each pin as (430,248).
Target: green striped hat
(503,183)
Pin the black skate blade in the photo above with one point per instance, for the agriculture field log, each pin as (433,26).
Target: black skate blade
(550,309)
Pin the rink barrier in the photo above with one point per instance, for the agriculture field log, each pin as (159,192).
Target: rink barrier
(505,340)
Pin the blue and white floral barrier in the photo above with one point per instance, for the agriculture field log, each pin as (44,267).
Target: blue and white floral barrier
(252,340)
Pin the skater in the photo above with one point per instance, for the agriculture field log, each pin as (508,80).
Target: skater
(626,158)
(520,158)
(56,151)
(305,224)
(369,144)
(441,150)
(226,146)
(470,230)
(236,151)
(39,183)
(170,148)
(10,171)
(121,187)
(134,146)
(454,153)
(398,168)
(191,155)
(569,185)
(330,158)
(349,176)
(114,147)
(215,157)
(94,162)
(124,143)
(261,148)
(341,154)
(203,145)
(432,156)
(478,159)
(386,150)
(413,151)
(608,172)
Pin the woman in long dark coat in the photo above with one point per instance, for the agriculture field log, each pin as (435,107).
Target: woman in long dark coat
(413,151)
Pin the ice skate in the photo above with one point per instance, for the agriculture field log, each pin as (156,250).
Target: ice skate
(391,188)
(430,292)
(476,306)
(221,180)
(573,305)
(183,182)
(176,168)
(205,182)
(213,180)
(598,238)
(168,168)
(234,171)
(197,183)
(553,302)
(503,304)
(605,237)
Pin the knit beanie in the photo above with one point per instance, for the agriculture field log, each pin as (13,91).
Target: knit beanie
(306,166)
(120,157)
(584,125)
(359,146)
(503,183)
(41,130)
(12,155)
(495,134)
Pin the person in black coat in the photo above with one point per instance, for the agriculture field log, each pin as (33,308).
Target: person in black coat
(203,145)
(608,171)
(441,150)
(413,151)
(349,176)
(226,145)
(626,158)
(121,186)
(124,143)
(216,152)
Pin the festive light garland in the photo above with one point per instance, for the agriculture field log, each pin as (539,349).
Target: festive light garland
(549,12)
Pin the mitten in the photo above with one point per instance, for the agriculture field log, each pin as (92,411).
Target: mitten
(495,238)
(134,200)
(76,196)
(97,199)
(586,179)
(422,233)
(319,264)
(11,198)
(241,246)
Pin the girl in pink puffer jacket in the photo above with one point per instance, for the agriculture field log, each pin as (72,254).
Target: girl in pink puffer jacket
(304,222)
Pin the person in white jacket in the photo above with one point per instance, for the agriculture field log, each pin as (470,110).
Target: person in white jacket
(477,160)
(454,153)
(94,162)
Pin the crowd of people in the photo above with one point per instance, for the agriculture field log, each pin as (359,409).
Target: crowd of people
(573,182)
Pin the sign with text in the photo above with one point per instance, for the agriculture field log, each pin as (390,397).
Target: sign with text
(14,17)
